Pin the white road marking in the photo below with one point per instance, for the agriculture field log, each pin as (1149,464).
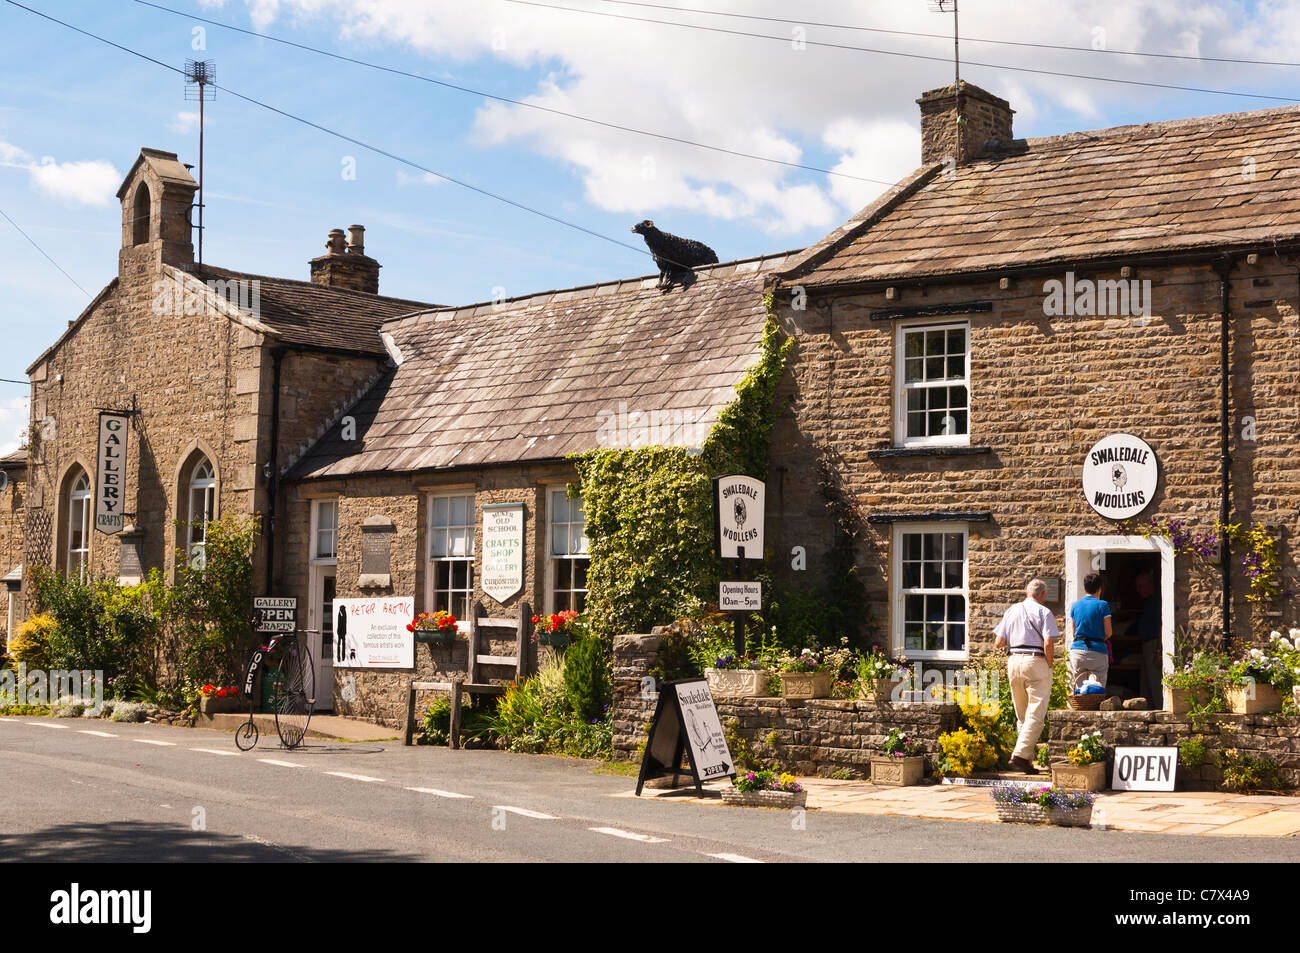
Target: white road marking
(735,858)
(524,812)
(628,835)
(155,741)
(97,734)
(232,754)
(283,764)
(354,777)
(46,724)
(436,793)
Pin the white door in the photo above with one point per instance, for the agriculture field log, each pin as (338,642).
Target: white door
(320,636)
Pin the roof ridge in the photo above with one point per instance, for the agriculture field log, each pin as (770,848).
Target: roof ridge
(310,284)
(766,262)
(1159,127)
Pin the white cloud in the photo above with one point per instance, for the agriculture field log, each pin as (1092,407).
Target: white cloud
(764,97)
(186,121)
(13,423)
(419,178)
(85,181)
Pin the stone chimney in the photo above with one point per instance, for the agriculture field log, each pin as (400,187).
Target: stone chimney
(971,116)
(345,263)
(157,196)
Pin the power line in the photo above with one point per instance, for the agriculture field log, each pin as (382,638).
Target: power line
(46,254)
(913,56)
(10,380)
(346,138)
(506,99)
(944,36)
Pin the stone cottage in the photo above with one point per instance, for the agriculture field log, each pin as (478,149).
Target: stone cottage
(1018,314)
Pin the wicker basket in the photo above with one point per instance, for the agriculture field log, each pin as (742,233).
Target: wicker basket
(1020,813)
(1079,817)
(1084,702)
(780,799)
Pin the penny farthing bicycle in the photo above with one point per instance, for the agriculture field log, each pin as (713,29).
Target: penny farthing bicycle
(293,683)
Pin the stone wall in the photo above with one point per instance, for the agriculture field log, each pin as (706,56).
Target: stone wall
(1272,736)
(12,516)
(815,737)
(1043,390)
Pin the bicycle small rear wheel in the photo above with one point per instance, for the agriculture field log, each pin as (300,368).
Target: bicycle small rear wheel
(246,736)
(297,695)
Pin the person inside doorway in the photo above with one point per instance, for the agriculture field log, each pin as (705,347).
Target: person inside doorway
(1147,627)
(1090,631)
(1028,631)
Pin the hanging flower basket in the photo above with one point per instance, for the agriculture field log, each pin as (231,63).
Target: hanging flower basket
(436,636)
(557,639)
(434,628)
(557,630)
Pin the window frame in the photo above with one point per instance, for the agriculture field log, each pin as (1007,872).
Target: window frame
(471,559)
(898,594)
(208,486)
(902,388)
(86,499)
(552,593)
(314,557)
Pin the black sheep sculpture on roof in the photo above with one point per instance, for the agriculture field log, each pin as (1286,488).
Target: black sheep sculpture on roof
(675,256)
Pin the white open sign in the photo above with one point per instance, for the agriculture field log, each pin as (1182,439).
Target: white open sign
(1144,769)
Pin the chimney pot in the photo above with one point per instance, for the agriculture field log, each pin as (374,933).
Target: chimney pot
(356,240)
(335,243)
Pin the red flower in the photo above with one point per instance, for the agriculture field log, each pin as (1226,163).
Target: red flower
(234,691)
(221,693)
(536,619)
(410,627)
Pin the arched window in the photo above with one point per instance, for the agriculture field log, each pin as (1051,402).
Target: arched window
(78,509)
(202,509)
(140,215)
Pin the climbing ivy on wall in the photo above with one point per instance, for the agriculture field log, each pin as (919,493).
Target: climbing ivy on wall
(649,510)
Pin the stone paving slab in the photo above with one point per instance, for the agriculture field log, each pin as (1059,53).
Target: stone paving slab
(1155,812)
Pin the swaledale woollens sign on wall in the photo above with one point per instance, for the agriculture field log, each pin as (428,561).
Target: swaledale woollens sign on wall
(1120,474)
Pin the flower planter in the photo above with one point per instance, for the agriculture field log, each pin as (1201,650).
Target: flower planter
(556,640)
(805,684)
(1179,701)
(436,636)
(1267,698)
(1017,813)
(215,705)
(1080,777)
(900,772)
(780,799)
(883,691)
(743,682)
(1079,817)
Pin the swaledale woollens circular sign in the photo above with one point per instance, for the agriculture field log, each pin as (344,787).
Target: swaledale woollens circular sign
(1119,476)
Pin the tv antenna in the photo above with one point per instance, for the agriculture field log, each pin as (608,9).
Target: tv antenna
(200,79)
(950,6)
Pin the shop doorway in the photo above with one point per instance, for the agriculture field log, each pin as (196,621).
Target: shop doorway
(1122,561)
(320,633)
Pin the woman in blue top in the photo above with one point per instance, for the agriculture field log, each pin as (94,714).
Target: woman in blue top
(1089,634)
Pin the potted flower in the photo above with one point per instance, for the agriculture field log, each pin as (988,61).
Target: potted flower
(556,629)
(1023,804)
(741,675)
(878,677)
(765,789)
(1085,767)
(805,675)
(900,761)
(1197,686)
(215,700)
(434,628)
(1251,678)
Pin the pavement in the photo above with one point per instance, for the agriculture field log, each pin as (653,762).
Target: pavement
(330,727)
(1150,812)
(95,791)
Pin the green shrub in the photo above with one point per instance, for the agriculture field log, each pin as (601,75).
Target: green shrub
(587,683)
(1191,752)
(474,724)
(30,644)
(1249,774)
(534,716)
(127,711)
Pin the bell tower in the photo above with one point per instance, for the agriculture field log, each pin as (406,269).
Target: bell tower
(156,197)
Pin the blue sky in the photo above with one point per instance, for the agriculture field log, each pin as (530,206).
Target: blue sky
(73,114)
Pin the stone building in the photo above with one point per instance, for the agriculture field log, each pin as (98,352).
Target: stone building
(965,340)
(221,374)
(484,406)
(12,514)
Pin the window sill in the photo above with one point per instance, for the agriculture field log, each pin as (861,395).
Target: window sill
(956,450)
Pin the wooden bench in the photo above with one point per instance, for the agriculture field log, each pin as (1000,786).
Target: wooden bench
(473,686)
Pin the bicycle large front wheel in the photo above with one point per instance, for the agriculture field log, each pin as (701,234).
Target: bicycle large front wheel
(297,695)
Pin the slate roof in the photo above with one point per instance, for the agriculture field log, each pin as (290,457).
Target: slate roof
(312,315)
(1130,190)
(526,379)
(14,459)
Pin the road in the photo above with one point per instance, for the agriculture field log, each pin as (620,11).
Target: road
(101,791)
